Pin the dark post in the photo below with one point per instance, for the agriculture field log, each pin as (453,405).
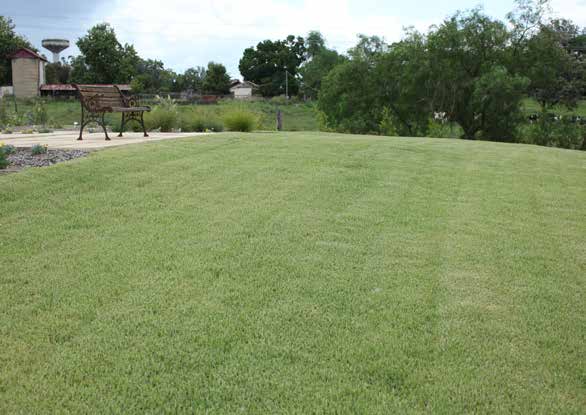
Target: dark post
(279,120)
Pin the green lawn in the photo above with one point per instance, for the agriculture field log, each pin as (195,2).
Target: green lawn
(296,273)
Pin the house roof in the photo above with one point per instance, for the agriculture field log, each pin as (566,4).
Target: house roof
(27,53)
(245,84)
(69,87)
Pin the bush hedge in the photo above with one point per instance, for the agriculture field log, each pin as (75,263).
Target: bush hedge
(241,120)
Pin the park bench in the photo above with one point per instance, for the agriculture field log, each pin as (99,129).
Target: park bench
(98,100)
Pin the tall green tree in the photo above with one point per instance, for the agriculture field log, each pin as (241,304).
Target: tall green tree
(58,72)
(217,80)
(347,97)
(462,51)
(193,78)
(152,77)
(402,76)
(10,41)
(319,62)
(103,58)
(315,43)
(368,48)
(557,76)
(272,63)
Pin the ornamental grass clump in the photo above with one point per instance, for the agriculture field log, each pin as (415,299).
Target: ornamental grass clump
(39,149)
(241,120)
(164,116)
(199,123)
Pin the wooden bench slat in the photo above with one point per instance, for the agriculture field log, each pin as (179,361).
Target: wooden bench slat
(130,109)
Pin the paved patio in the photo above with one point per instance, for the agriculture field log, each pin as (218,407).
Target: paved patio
(68,139)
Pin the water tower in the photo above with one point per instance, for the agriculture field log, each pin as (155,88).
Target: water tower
(56,46)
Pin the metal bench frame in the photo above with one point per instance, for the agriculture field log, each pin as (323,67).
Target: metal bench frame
(98,100)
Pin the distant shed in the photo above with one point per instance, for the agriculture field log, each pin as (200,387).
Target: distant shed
(243,90)
(28,72)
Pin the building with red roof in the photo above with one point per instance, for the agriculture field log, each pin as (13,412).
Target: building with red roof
(28,73)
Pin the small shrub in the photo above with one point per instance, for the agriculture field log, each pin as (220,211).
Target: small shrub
(7,132)
(39,149)
(551,133)
(3,160)
(214,125)
(45,131)
(438,129)
(241,120)
(39,112)
(192,124)
(200,123)
(16,119)
(167,104)
(164,119)
(27,131)
(3,112)
(7,149)
(279,100)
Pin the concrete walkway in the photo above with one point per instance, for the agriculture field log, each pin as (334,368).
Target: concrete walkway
(68,139)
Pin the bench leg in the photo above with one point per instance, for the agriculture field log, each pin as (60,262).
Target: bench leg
(103,123)
(81,125)
(142,123)
(122,125)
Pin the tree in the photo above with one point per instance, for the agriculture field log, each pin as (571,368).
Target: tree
(464,50)
(217,80)
(577,45)
(58,72)
(9,43)
(402,76)
(103,59)
(271,63)
(319,62)
(193,78)
(315,43)
(384,88)
(557,76)
(347,96)
(152,77)
(368,48)
(525,21)
(497,98)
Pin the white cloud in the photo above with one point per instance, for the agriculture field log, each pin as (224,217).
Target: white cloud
(185,33)
(574,10)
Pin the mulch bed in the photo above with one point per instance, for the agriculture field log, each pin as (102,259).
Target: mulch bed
(23,158)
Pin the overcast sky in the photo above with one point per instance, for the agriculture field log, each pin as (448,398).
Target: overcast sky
(185,33)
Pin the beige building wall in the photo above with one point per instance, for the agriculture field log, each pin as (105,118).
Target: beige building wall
(26,77)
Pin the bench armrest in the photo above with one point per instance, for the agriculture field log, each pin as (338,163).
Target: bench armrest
(131,101)
(92,103)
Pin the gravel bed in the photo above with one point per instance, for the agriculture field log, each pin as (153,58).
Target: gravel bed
(23,158)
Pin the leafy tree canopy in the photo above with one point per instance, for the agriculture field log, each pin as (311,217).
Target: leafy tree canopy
(103,58)
(9,43)
(319,62)
(267,65)
(58,72)
(216,80)
(193,79)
